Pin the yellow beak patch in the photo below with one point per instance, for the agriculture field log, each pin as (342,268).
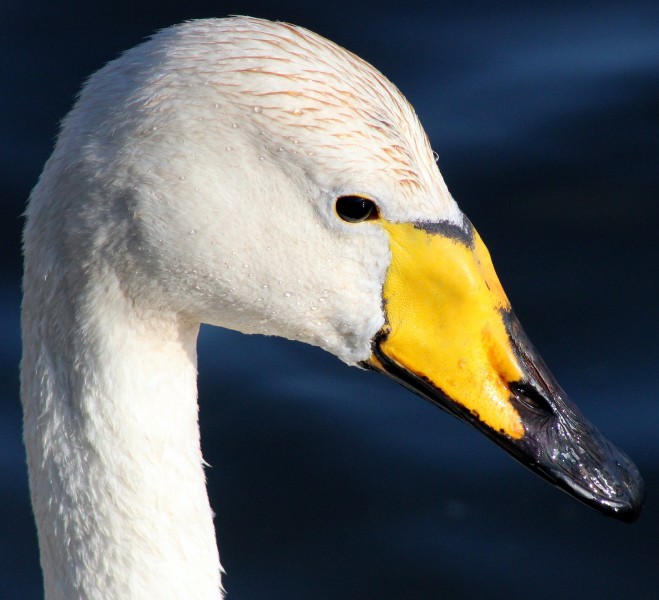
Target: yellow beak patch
(445,308)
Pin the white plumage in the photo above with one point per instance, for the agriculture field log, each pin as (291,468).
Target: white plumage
(195,181)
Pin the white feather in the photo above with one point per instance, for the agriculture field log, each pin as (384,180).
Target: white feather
(194,181)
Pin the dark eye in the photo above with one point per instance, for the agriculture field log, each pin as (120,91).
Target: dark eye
(354,209)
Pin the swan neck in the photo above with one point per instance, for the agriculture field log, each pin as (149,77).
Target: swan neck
(112,437)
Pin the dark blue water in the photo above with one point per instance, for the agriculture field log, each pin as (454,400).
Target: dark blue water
(333,483)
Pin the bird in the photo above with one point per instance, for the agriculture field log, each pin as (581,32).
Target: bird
(255,176)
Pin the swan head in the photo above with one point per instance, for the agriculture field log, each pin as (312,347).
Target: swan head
(255,176)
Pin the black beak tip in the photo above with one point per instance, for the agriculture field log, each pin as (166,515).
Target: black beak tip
(630,508)
(629,514)
(626,511)
(617,491)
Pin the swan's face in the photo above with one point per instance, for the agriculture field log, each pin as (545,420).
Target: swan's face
(244,147)
(244,153)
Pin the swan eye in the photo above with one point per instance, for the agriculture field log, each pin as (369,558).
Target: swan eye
(355,209)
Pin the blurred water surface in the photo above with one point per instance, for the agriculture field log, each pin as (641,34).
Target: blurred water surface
(333,483)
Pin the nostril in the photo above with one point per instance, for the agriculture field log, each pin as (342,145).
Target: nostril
(531,398)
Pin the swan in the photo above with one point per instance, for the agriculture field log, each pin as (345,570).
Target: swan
(254,176)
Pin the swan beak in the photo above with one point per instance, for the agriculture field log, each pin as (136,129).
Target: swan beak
(451,337)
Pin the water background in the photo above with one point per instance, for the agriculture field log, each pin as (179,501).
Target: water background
(333,483)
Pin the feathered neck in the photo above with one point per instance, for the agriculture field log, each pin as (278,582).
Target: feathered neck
(112,439)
